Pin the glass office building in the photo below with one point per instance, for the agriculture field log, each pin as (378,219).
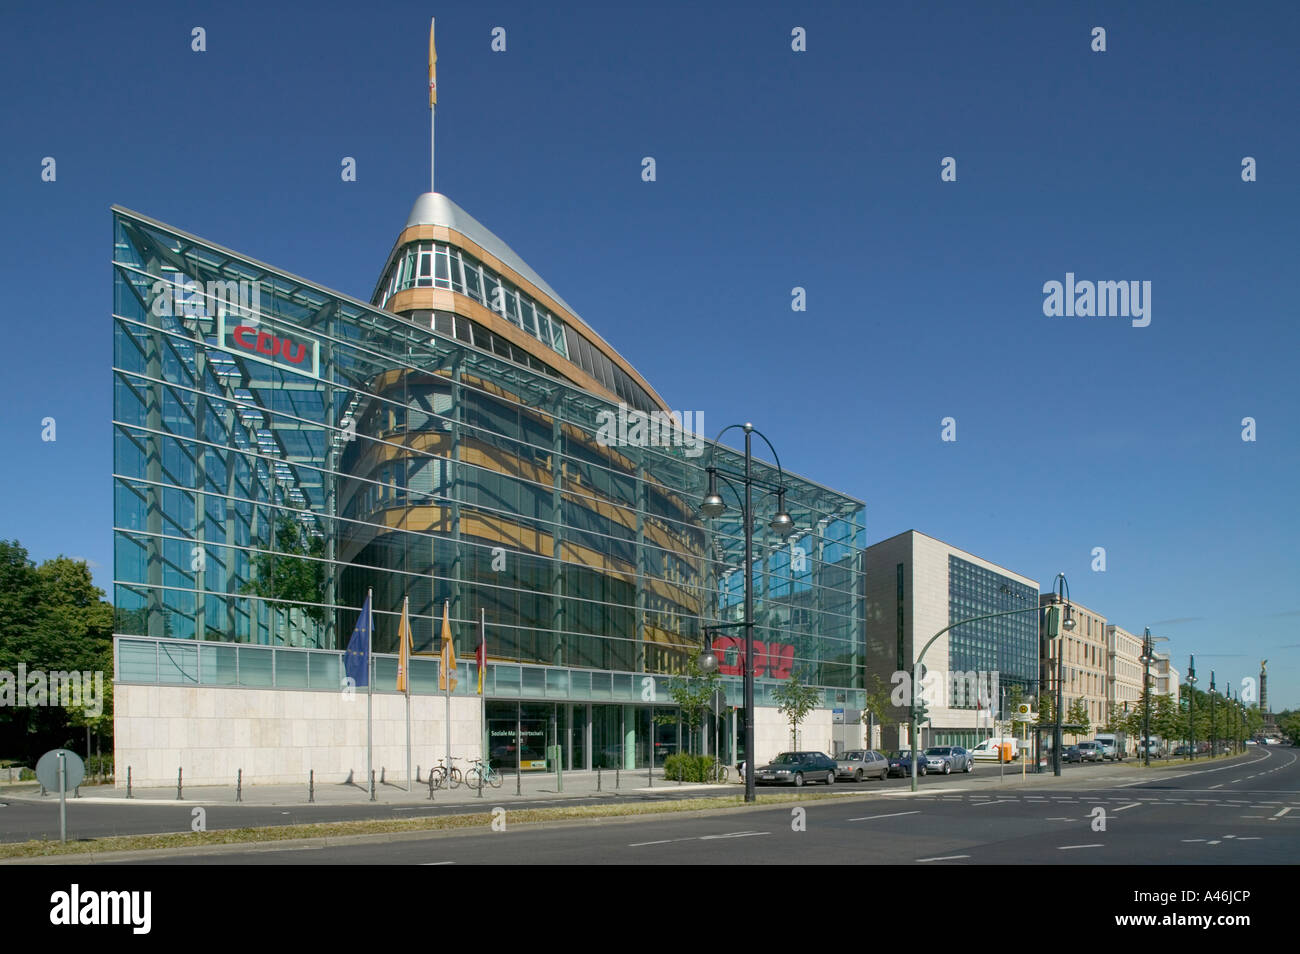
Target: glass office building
(281,450)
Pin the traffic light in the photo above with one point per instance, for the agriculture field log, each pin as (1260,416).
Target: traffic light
(920,713)
(1053,622)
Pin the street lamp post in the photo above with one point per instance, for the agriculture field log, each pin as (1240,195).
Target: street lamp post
(1213,733)
(1062,590)
(713,506)
(1148,653)
(920,657)
(1191,708)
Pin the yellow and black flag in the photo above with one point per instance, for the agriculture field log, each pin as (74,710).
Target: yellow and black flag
(433,70)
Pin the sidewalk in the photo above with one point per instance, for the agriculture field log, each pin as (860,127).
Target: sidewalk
(531,785)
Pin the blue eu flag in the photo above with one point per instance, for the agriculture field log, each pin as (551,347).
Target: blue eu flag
(356,660)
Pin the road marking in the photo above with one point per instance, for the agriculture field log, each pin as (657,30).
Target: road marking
(1190,840)
(1252,816)
(642,844)
(1249,838)
(891,815)
(734,834)
(1134,805)
(942,858)
(1213,787)
(1060,819)
(437,863)
(1000,801)
(1069,847)
(1214,842)
(1279,814)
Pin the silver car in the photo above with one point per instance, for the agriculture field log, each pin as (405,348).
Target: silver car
(857,764)
(947,759)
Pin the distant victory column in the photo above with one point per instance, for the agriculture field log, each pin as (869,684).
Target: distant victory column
(1263,687)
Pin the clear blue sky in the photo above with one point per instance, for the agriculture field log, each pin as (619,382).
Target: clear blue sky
(775,169)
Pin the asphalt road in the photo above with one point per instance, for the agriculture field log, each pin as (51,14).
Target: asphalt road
(1246,811)
(31,818)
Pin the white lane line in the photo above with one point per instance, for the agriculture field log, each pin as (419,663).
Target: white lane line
(1213,787)
(1249,838)
(423,863)
(734,834)
(1279,814)
(1214,842)
(942,858)
(1060,819)
(1000,801)
(890,815)
(1125,807)
(1070,847)
(642,844)
(1191,840)
(1252,816)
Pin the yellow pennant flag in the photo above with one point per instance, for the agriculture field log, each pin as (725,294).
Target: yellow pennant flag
(433,70)
(404,654)
(448,667)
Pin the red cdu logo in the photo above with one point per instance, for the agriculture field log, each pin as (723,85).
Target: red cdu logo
(253,340)
(263,342)
(770,659)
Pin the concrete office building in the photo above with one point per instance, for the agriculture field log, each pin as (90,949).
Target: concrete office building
(917,585)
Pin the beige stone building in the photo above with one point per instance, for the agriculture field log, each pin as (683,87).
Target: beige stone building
(1085,668)
(1124,652)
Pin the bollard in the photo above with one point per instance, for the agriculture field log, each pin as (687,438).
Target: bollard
(128,782)
(598,778)
(481,781)
(616,779)
(76,792)
(179,777)
(431,785)
(42,791)
(372,785)
(311,786)
(239,785)
(417,773)
(519,776)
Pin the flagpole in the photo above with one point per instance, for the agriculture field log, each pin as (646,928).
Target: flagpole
(447,684)
(482,699)
(370,697)
(406,677)
(433,98)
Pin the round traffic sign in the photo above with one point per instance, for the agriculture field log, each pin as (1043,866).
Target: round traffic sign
(47,770)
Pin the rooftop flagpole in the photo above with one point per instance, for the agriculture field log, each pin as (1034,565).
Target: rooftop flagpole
(433,96)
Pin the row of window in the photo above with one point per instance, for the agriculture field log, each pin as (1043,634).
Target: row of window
(435,265)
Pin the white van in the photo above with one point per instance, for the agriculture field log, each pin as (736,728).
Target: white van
(987,751)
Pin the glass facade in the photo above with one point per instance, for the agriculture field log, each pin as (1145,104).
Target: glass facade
(280,450)
(1007,645)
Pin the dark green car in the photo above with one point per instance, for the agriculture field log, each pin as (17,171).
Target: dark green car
(797,768)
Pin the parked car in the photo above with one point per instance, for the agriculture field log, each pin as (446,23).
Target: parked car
(900,762)
(857,764)
(949,758)
(1071,753)
(1092,751)
(797,768)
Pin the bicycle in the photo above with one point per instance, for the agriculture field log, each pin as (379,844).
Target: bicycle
(480,773)
(718,773)
(439,775)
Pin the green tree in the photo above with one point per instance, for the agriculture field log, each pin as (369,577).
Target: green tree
(52,618)
(878,704)
(694,693)
(794,700)
(1076,717)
